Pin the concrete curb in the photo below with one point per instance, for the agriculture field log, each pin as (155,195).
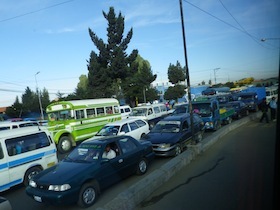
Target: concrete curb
(141,190)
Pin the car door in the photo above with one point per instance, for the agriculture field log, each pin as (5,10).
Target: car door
(185,132)
(134,130)
(131,155)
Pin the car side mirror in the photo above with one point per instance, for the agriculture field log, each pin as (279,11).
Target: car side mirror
(122,133)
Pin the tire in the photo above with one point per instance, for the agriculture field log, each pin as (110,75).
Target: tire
(247,112)
(178,150)
(142,167)
(30,173)
(198,137)
(64,144)
(88,194)
(229,120)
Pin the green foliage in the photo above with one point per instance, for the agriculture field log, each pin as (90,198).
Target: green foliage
(173,93)
(176,73)
(109,71)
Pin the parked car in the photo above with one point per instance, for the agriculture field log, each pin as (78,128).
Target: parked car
(131,127)
(240,109)
(78,180)
(5,204)
(171,135)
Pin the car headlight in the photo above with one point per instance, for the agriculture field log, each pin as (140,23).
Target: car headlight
(32,183)
(63,187)
(164,146)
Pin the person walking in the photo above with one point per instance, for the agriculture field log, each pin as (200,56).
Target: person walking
(273,107)
(264,109)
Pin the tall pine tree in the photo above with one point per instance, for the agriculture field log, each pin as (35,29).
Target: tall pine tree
(111,67)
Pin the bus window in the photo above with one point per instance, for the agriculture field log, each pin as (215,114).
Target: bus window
(100,111)
(90,113)
(109,110)
(80,114)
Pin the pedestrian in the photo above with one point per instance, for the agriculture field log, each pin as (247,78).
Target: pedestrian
(273,107)
(264,109)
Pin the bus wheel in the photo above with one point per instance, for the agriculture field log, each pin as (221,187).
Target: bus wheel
(64,144)
(30,173)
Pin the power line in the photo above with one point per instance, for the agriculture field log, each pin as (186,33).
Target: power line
(241,30)
(35,11)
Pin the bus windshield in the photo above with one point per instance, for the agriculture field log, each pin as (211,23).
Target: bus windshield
(60,115)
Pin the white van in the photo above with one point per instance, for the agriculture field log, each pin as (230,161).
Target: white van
(125,110)
(24,153)
(151,113)
(7,125)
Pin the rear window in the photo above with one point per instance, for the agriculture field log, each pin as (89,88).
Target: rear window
(27,143)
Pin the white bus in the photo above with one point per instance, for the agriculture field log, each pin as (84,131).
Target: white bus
(76,120)
(24,153)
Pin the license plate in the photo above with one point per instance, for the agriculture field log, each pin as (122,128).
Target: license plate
(37,198)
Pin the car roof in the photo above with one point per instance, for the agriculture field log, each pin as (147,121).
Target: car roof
(21,131)
(16,122)
(176,117)
(123,121)
(105,140)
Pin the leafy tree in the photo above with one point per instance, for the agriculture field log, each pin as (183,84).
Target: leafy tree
(112,66)
(15,110)
(29,101)
(173,93)
(176,73)
(81,90)
(210,82)
(45,98)
(203,82)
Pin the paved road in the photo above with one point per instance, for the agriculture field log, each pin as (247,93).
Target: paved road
(235,173)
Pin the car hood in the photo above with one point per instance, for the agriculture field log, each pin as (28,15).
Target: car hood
(63,172)
(159,138)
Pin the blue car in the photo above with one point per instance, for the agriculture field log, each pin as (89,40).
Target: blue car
(85,172)
(171,135)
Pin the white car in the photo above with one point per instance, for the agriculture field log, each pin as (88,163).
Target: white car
(134,127)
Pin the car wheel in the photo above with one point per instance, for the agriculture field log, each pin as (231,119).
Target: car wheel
(142,167)
(30,173)
(178,150)
(239,116)
(199,136)
(88,194)
(247,112)
(64,144)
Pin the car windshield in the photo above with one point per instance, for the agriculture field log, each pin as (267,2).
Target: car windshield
(109,131)
(138,112)
(166,127)
(85,153)
(202,109)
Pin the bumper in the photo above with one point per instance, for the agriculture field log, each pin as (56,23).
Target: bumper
(164,152)
(52,197)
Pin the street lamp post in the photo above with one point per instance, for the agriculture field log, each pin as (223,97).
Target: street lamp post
(39,96)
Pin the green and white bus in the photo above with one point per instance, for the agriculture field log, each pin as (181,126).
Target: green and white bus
(77,120)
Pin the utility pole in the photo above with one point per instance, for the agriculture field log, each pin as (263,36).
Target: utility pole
(216,69)
(39,96)
(187,72)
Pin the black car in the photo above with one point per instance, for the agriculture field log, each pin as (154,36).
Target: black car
(171,135)
(240,109)
(84,173)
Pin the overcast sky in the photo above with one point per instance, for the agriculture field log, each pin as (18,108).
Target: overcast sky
(51,37)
